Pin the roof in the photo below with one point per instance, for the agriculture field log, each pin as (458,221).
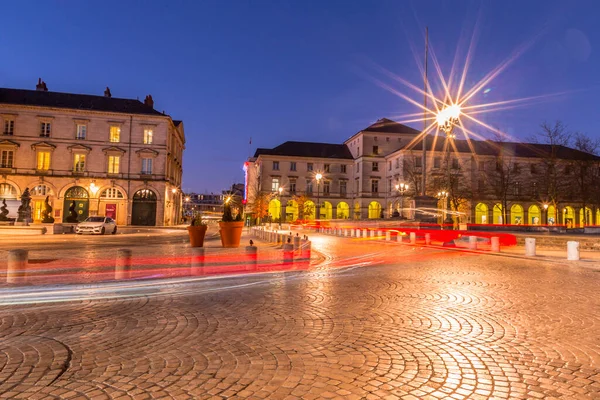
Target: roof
(74,101)
(307,149)
(176,122)
(385,125)
(511,149)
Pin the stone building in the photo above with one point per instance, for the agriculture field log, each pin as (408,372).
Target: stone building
(100,154)
(378,171)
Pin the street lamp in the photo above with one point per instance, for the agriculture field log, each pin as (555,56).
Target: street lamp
(444,195)
(318,177)
(447,118)
(280,190)
(401,188)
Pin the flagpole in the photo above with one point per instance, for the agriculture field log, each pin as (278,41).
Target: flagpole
(424,162)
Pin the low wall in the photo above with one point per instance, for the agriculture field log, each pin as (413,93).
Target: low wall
(23,230)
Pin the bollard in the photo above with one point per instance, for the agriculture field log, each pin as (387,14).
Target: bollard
(388,236)
(496,244)
(123,264)
(530,247)
(365,233)
(428,239)
(305,250)
(17,266)
(296,242)
(288,253)
(413,238)
(251,257)
(472,242)
(572,251)
(372,233)
(379,234)
(399,237)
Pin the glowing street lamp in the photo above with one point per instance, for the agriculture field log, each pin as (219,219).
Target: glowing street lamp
(447,118)
(401,188)
(318,177)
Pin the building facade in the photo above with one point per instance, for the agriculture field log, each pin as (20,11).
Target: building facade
(96,155)
(377,172)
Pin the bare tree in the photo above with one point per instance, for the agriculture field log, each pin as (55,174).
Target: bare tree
(305,205)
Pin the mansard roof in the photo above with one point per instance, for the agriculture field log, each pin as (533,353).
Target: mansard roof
(307,149)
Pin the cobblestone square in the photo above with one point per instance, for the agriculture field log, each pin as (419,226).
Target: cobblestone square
(372,321)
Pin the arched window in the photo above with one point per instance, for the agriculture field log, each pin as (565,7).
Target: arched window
(112,193)
(7,191)
(41,190)
(76,192)
(144,194)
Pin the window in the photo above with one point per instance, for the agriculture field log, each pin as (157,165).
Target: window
(516,167)
(112,193)
(374,186)
(275,184)
(481,185)
(326,167)
(437,161)
(533,169)
(389,165)
(498,165)
(455,163)
(390,185)
(81,131)
(292,187)
(275,165)
(387,139)
(397,162)
(357,167)
(43,160)
(375,138)
(79,163)
(309,186)
(113,164)
(343,168)
(375,166)
(148,136)
(41,190)
(326,187)
(375,149)
(482,165)
(418,162)
(9,126)
(517,188)
(567,169)
(357,186)
(115,134)
(293,166)
(45,128)
(6,158)
(534,189)
(146,166)
(343,188)
(309,166)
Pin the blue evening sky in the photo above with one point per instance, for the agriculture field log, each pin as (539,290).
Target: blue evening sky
(298,70)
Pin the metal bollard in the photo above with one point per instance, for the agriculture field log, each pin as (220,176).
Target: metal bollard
(572,251)
(413,238)
(123,264)
(288,253)
(305,249)
(17,266)
(296,242)
(372,233)
(496,244)
(379,234)
(388,236)
(251,257)
(428,239)
(399,237)
(530,247)
(365,233)
(472,242)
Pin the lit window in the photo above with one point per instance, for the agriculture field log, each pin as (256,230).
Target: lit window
(275,184)
(43,160)
(146,166)
(148,136)
(111,193)
(6,158)
(115,134)
(113,164)
(79,163)
(9,126)
(45,128)
(81,131)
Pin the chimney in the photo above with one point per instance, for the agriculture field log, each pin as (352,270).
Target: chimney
(148,101)
(107,92)
(41,86)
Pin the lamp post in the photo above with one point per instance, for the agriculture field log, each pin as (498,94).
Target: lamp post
(443,195)
(545,212)
(446,119)
(401,188)
(318,177)
(280,190)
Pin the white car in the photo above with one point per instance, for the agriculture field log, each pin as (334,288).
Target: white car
(97,225)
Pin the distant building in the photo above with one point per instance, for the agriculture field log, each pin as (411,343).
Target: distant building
(211,204)
(98,155)
(377,172)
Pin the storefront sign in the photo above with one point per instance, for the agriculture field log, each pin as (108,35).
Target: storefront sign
(111,211)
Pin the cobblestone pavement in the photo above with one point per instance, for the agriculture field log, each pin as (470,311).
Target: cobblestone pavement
(375,320)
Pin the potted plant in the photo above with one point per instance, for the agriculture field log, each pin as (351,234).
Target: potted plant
(231,229)
(197,231)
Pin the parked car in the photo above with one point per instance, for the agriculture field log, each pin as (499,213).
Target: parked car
(97,225)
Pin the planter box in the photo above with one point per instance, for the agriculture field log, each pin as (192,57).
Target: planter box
(231,233)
